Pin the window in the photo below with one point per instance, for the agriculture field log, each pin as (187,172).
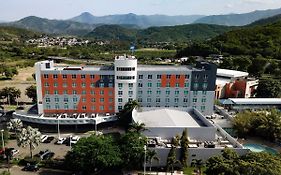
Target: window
(148,100)
(185,100)
(159,76)
(48,106)
(55,84)
(93,85)
(120,100)
(177,92)
(101,85)
(83,85)
(84,107)
(75,107)
(65,99)
(75,99)
(126,68)
(157,100)
(130,93)
(125,77)
(65,92)
(158,92)
(110,84)
(101,100)
(205,85)
(139,99)
(178,76)
(185,92)
(64,76)
(205,77)
(120,85)
(131,85)
(186,76)
(57,106)
(176,100)
(168,76)
(83,76)
(167,92)
(203,108)
(140,77)
(101,108)
(149,77)
(186,84)
(64,84)
(110,93)
(101,92)
(204,92)
(196,76)
(120,92)
(149,84)
(74,84)
(83,92)
(92,92)
(73,76)
(93,100)
(55,76)
(111,77)
(195,85)
(158,84)
(92,76)
(139,92)
(74,92)
(194,100)
(83,99)
(103,77)
(65,106)
(46,76)
(47,92)
(56,92)
(46,84)
(119,108)
(203,100)
(110,100)
(93,108)
(110,108)
(195,92)
(168,85)
(140,85)
(167,100)
(57,99)
(130,99)
(48,100)
(177,85)
(149,92)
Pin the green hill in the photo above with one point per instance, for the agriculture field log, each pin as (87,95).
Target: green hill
(265,21)
(16,34)
(181,33)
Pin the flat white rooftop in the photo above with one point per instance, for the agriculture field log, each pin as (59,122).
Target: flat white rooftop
(167,118)
(231,73)
(222,81)
(256,101)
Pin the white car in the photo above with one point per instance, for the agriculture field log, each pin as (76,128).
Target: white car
(61,140)
(74,139)
(43,138)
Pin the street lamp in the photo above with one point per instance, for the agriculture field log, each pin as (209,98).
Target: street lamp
(58,126)
(144,164)
(70,138)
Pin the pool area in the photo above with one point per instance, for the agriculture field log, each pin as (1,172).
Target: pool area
(260,148)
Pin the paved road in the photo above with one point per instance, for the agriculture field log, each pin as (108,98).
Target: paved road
(16,170)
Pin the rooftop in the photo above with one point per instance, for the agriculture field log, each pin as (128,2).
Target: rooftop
(256,101)
(231,73)
(168,118)
(164,68)
(222,81)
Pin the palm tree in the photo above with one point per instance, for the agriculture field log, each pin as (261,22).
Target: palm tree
(125,116)
(131,105)
(29,137)
(172,160)
(15,125)
(152,155)
(198,164)
(137,127)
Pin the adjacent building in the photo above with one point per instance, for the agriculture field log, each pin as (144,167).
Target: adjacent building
(106,89)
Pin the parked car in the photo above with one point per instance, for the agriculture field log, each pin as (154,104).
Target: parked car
(14,151)
(48,155)
(74,139)
(49,139)
(42,153)
(43,138)
(30,167)
(61,141)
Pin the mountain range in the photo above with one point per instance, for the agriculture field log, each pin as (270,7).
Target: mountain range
(142,21)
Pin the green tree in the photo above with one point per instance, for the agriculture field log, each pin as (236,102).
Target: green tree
(15,125)
(172,160)
(137,127)
(269,88)
(198,164)
(10,72)
(152,155)
(11,93)
(258,66)
(29,137)
(184,148)
(31,93)
(93,154)
(125,115)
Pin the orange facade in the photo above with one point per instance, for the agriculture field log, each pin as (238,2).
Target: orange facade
(235,89)
(172,80)
(93,100)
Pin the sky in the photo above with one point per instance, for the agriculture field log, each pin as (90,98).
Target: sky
(11,10)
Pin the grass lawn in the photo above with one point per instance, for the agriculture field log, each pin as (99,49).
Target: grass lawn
(190,170)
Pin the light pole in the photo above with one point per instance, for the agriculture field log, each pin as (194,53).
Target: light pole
(59,126)
(70,138)
(144,164)
(3,144)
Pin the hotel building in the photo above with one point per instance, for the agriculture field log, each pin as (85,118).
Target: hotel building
(106,89)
